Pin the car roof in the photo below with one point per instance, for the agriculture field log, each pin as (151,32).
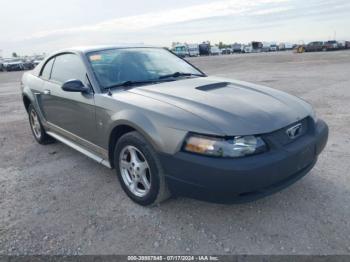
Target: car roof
(88,49)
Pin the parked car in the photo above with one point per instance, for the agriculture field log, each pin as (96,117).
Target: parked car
(37,61)
(167,128)
(214,50)
(347,44)
(314,47)
(281,46)
(28,65)
(273,48)
(247,49)
(226,51)
(13,65)
(330,45)
(341,44)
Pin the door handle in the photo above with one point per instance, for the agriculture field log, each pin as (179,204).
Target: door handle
(47,92)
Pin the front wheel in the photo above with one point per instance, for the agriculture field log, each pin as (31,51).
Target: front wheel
(139,170)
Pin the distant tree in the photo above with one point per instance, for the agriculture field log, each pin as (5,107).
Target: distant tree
(221,45)
(14,54)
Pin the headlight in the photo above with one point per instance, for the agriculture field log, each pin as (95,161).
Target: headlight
(221,147)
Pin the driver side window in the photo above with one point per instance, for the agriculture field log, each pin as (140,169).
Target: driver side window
(46,72)
(68,67)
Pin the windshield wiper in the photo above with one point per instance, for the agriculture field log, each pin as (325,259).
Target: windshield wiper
(160,79)
(179,74)
(132,83)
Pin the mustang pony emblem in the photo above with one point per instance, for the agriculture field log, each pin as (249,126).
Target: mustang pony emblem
(294,131)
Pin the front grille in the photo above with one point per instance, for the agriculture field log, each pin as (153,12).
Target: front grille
(280,136)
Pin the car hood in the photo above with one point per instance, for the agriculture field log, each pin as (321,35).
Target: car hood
(235,107)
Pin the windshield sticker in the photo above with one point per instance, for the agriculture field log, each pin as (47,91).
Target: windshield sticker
(95,58)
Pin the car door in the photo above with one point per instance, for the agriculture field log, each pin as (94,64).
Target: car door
(71,114)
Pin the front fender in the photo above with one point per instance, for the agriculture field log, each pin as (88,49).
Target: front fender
(26,93)
(141,123)
(162,137)
(33,100)
(31,87)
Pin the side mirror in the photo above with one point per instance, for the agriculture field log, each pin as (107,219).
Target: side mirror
(75,86)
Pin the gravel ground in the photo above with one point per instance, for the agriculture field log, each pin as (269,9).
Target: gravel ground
(53,200)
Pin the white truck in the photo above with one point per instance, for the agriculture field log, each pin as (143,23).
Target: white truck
(237,48)
(253,47)
(214,50)
(193,49)
(273,47)
(184,50)
(180,50)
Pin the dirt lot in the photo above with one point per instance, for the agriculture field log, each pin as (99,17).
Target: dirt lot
(53,200)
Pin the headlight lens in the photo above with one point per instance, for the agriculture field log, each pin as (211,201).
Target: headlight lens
(221,147)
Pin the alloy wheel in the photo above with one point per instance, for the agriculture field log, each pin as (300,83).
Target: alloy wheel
(135,171)
(35,124)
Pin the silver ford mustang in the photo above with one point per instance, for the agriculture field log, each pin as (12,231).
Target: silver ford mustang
(169,129)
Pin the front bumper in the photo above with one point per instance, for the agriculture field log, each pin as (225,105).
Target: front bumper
(247,178)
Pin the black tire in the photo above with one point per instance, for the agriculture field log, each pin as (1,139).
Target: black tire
(38,132)
(158,190)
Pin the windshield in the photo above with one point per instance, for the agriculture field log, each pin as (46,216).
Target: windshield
(115,66)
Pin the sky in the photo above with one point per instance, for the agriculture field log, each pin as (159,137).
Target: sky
(37,26)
